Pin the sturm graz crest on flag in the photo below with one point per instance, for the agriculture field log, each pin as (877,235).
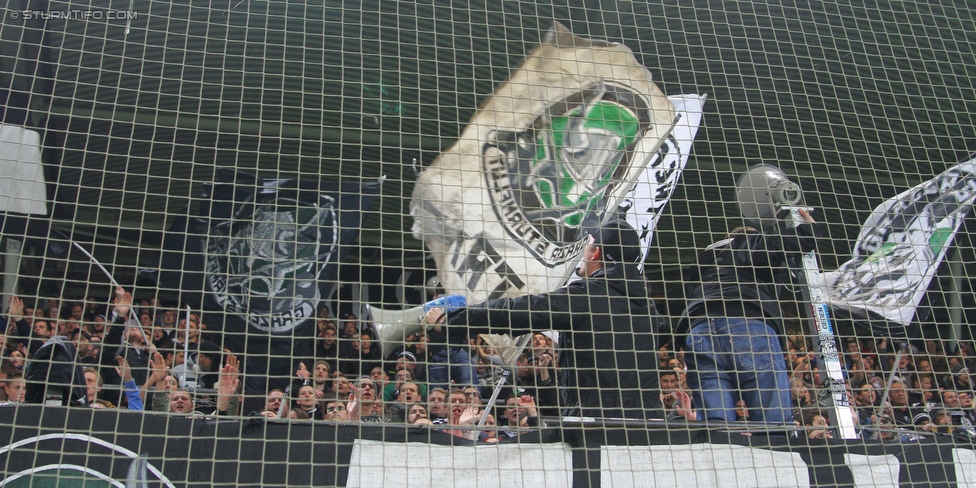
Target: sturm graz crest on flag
(547,179)
(267,268)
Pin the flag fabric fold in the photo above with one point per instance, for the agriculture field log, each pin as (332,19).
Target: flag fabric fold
(899,249)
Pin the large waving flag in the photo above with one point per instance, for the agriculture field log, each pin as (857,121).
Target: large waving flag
(258,256)
(900,247)
(645,203)
(560,143)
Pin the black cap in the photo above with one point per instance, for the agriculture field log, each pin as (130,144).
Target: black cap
(618,242)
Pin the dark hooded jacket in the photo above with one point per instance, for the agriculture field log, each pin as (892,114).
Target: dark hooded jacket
(607,327)
(744,276)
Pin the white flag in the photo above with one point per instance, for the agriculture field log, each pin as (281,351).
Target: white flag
(22,188)
(901,245)
(560,143)
(646,201)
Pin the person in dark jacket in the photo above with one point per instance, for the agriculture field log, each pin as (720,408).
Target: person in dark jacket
(733,323)
(607,323)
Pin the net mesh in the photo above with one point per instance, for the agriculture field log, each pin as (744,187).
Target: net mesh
(278,186)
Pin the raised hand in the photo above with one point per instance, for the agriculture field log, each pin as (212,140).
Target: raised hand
(123,302)
(684,407)
(302,371)
(528,403)
(124,369)
(159,369)
(16,309)
(469,416)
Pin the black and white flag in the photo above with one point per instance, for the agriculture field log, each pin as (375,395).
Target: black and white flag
(901,245)
(645,203)
(562,142)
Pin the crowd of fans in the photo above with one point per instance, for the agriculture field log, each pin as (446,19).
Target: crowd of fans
(146,355)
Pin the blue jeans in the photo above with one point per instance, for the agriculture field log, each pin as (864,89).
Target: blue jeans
(451,365)
(738,357)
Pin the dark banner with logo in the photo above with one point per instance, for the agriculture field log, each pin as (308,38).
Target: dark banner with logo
(259,255)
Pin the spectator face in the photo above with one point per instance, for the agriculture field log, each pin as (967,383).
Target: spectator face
(898,395)
(169,318)
(540,341)
(951,399)
(306,398)
(903,362)
(15,390)
(818,421)
(416,412)
(135,336)
(336,411)
(365,342)
(409,393)
(273,403)
(53,312)
(321,372)
(329,336)
(170,383)
(367,390)
(925,386)
(180,402)
(349,327)
(490,422)
(513,412)
(17,359)
(438,404)
(42,329)
(965,400)
(924,365)
(91,379)
(77,312)
(406,363)
(341,386)
(669,383)
(145,320)
(377,375)
(741,409)
(458,404)
(866,396)
(472,396)
(95,347)
(402,376)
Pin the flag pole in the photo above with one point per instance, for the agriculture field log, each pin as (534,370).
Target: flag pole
(520,346)
(186,337)
(814,294)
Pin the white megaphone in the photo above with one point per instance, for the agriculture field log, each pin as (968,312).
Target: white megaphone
(394,326)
